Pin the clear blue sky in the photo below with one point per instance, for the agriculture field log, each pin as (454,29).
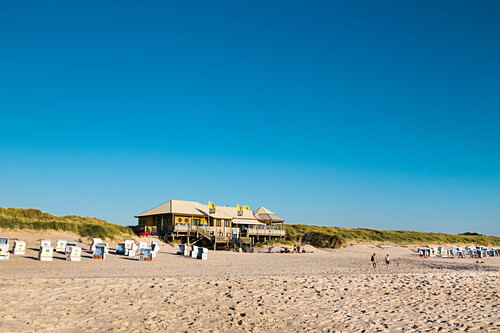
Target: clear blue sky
(379,114)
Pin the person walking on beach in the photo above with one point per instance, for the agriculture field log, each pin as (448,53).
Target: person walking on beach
(374,261)
(387,261)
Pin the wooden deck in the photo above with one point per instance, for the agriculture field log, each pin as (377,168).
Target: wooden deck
(219,236)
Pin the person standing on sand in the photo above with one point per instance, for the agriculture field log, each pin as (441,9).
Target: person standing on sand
(374,261)
(387,261)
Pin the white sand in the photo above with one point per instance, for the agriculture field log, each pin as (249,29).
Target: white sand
(328,290)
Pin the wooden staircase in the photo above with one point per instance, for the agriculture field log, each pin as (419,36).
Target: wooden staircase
(243,243)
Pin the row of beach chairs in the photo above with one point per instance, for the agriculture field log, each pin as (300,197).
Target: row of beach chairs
(460,253)
(130,249)
(70,249)
(73,252)
(192,251)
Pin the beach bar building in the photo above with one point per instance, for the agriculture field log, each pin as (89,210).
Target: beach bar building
(225,226)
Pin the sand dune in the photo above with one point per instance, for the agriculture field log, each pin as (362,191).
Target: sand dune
(331,290)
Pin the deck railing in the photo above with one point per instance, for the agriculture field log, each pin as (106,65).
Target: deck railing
(252,230)
(267,227)
(213,231)
(265,230)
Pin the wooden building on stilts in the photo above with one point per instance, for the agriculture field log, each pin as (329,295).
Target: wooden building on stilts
(213,227)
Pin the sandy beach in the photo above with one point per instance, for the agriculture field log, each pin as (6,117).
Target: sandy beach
(323,291)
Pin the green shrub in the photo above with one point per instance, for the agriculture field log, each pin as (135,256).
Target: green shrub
(335,237)
(34,219)
(174,242)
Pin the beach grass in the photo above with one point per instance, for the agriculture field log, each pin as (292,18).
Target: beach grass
(34,219)
(276,242)
(337,237)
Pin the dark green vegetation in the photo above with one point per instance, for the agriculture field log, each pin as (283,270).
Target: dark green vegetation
(335,237)
(34,219)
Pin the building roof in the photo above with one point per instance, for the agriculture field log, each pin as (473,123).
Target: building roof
(264,214)
(233,212)
(185,208)
(221,212)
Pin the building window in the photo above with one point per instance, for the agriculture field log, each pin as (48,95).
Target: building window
(196,221)
(226,223)
(186,220)
(218,223)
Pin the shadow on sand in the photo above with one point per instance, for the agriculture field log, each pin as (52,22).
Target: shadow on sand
(127,258)
(460,266)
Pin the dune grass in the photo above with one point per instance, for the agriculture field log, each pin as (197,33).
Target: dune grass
(276,242)
(336,237)
(34,219)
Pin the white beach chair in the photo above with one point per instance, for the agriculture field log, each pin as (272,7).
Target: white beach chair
(69,245)
(130,253)
(61,246)
(187,251)
(74,254)
(4,242)
(425,252)
(45,243)
(145,254)
(129,244)
(19,247)
(4,248)
(203,253)
(141,245)
(106,247)
(99,252)
(121,249)
(194,251)
(45,253)
(135,247)
(4,252)
(155,248)
(95,241)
